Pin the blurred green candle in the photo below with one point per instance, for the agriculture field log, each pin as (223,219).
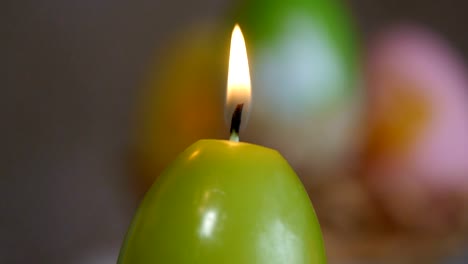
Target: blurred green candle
(226,201)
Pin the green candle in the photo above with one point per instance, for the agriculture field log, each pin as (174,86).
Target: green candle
(225,201)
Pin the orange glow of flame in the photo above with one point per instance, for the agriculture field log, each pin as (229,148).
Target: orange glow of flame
(238,86)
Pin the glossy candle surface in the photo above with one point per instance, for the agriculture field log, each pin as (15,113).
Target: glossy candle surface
(225,202)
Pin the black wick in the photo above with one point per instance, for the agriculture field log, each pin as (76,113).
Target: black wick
(236,119)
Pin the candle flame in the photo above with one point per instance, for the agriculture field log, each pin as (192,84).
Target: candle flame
(238,86)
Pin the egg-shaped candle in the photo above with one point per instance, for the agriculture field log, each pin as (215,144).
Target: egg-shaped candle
(225,201)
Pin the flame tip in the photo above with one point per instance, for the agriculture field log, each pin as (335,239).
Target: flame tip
(238,86)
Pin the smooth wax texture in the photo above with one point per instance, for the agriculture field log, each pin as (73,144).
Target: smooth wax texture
(225,202)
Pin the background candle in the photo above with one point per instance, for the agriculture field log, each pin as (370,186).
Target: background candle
(417,146)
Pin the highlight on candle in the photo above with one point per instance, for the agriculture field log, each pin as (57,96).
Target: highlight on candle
(238,85)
